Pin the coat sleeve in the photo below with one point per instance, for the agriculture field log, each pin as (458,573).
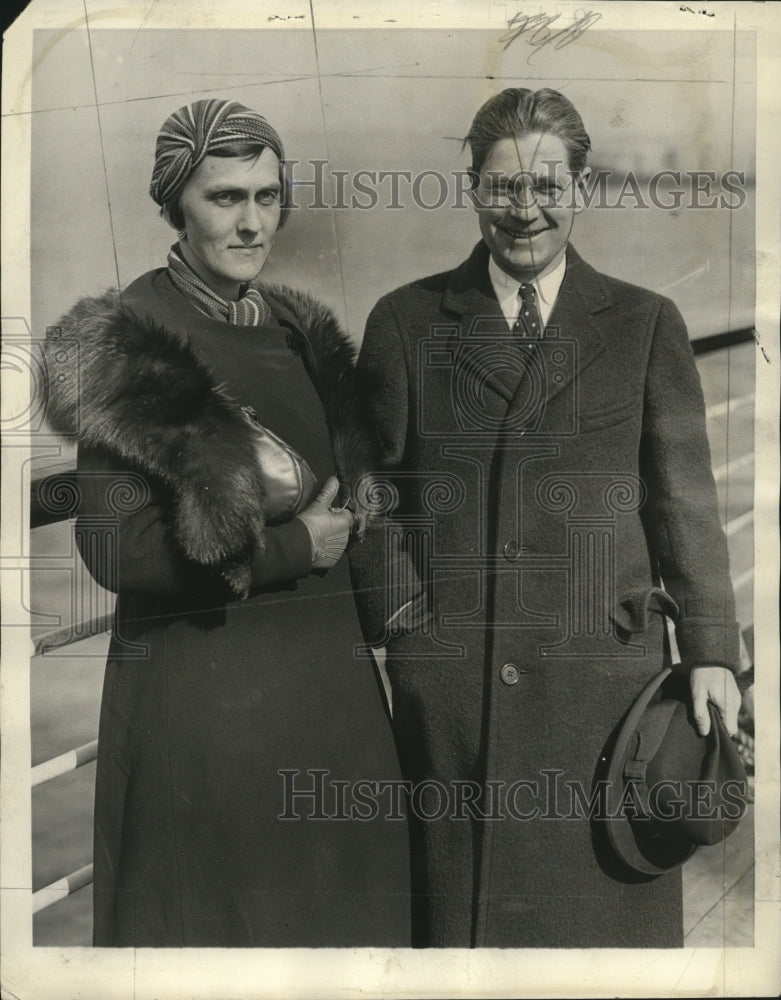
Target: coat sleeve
(123,537)
(386,585)
(383,379)
(681,511)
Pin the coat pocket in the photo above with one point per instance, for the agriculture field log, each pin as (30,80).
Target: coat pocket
(633,614)
(611,416)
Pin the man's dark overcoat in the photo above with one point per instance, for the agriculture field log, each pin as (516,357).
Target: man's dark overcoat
(556,501)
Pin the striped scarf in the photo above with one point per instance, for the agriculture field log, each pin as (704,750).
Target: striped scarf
(250,309)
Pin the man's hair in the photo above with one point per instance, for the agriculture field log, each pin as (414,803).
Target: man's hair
(518,111)
(171,210)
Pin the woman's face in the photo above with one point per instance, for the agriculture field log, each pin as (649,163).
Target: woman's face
(231,211)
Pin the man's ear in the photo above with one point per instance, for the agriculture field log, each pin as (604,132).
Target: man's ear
(578,187)
(474,181)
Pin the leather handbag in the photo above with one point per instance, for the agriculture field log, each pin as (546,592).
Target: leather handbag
(290,482)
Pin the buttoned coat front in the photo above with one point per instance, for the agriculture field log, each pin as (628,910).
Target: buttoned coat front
(554,499)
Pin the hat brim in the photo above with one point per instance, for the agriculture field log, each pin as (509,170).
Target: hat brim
(647,855)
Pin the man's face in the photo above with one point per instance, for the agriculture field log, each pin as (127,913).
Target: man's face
(526,203)
(231,211)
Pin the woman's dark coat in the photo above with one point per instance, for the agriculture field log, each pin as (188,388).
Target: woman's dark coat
(542,508)
(230,662)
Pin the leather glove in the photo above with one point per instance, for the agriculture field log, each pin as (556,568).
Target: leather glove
(329,530)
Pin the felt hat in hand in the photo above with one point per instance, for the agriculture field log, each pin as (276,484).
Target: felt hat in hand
(669,790)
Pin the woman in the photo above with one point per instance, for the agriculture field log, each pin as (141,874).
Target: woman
(231,675)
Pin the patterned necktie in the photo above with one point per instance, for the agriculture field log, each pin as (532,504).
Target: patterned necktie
(528,323)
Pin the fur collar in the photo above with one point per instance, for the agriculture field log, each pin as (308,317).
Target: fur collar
(136,390)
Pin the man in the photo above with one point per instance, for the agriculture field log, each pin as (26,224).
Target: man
(543,432)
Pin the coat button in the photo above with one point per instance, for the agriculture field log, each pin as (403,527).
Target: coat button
(512,549)
(510,673)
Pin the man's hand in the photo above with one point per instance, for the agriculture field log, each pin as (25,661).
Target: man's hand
(717,685)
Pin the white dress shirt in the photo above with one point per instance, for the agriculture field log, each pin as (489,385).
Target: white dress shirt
(547,288)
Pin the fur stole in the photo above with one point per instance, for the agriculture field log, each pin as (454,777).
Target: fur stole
(140,392)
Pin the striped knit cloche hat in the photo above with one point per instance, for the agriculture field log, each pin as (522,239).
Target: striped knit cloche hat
(196,130)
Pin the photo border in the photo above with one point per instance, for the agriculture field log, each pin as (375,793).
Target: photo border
(41,972)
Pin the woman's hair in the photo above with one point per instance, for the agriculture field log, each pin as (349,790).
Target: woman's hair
(209,128)
(519,111)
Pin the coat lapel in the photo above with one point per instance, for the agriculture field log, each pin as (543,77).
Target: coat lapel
(470,295)
(469,291)
(573,321)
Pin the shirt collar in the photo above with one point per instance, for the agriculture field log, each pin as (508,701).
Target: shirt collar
(547,288)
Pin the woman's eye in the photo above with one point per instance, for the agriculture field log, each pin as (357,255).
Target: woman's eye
(225,198)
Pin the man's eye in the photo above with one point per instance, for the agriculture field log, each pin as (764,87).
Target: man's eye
(268,197)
